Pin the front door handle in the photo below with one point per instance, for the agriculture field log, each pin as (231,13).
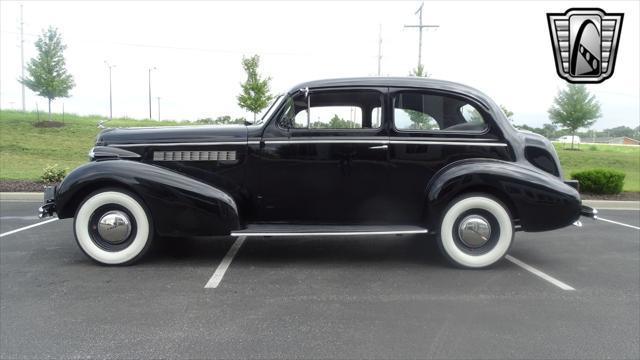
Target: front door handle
(379,147)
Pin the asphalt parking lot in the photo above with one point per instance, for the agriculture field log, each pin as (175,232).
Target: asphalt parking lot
(384,297)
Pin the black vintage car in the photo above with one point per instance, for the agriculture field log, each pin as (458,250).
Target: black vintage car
(345,157)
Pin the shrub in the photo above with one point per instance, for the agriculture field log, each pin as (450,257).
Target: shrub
(600,181)
(53,174)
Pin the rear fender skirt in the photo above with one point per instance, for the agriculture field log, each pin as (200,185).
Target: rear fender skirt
(179,205)
(540,201)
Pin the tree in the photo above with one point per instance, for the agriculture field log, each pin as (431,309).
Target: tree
(507,112)
(48,75)
(419,71)
(574,108)
(255,95)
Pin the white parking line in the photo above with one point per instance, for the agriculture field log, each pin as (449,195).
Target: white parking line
(224,264)
(619,223)
(540,274)
(27,227)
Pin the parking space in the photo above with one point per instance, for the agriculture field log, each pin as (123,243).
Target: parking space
(383,297)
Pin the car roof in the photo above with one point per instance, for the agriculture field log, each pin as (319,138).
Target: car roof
(407,82)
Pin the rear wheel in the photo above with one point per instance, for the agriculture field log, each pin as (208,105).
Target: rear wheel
(113,227)
(476,231)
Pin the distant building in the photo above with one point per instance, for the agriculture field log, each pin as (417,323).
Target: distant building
(617,140)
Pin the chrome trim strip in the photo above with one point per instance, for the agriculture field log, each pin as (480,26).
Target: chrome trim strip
(385,142)
(183,144)
(408,142)
(329,141)
(470,142)
(338,233)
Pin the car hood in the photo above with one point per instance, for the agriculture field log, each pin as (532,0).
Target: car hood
(173,134)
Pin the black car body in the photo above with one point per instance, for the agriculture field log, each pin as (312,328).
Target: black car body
(406,151)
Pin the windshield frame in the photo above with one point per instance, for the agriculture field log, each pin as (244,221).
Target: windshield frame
(275,104)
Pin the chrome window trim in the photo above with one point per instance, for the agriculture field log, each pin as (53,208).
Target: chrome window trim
(406,141)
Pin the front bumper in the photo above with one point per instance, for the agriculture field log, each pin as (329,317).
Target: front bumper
(49,206)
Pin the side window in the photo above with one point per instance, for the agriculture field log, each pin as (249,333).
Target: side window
(421,111)
(335,109)
(330,117)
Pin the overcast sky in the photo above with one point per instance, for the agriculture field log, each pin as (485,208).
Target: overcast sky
(501,48)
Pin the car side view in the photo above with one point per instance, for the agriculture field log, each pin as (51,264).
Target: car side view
(339,157)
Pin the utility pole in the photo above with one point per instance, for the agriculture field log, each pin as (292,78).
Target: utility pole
(22,55)
(110,66)
(420,27)
(159,119)
(379,48)
(153,68)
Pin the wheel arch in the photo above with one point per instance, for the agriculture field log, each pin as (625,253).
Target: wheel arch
(537,201)
(180,205)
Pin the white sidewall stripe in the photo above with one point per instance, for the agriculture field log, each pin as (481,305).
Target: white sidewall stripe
(93,250)
(501,247)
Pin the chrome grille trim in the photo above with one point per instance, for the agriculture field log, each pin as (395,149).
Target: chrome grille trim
(194,156)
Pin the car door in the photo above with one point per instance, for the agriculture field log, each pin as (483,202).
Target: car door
(429,130)
(324,159)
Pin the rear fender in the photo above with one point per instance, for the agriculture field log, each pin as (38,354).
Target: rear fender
(539,200)
(179,205)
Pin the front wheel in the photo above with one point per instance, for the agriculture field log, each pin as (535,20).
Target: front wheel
(476,231)
(113,227)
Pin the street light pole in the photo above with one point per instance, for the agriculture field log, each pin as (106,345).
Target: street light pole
(110,93)
(153,68)
(159,119)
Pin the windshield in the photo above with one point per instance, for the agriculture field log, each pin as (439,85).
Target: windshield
(270,109)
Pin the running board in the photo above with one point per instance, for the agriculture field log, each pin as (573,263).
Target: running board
(326,230)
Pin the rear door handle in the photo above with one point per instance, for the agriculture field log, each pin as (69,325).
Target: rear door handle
(379,147)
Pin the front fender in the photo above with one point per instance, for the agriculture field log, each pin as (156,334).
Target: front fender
(179,205)
(540,201)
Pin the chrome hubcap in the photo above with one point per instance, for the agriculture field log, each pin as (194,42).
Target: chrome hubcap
(114,227)
(474,231)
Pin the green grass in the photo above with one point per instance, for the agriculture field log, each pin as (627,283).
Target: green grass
(621,158)
(25,150)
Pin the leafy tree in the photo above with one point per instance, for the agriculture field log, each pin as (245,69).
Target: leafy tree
(574,108)
(507,112)
(419,71)
(549,131)
(222,120)
(336,122)
(420,120)
(48,75)
(255,95)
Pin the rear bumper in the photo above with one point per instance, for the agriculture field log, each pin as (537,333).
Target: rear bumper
(588,212)
(49,207)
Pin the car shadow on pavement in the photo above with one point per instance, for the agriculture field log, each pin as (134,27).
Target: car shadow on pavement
(313,250)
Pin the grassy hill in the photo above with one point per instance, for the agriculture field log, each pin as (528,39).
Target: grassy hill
(25,150)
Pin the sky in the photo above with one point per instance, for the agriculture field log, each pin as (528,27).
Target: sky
(501,48)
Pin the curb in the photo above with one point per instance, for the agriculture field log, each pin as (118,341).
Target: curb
(598,204)
(612,204)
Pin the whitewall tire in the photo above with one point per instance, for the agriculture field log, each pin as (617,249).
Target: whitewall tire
(476,231)
(113,227)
